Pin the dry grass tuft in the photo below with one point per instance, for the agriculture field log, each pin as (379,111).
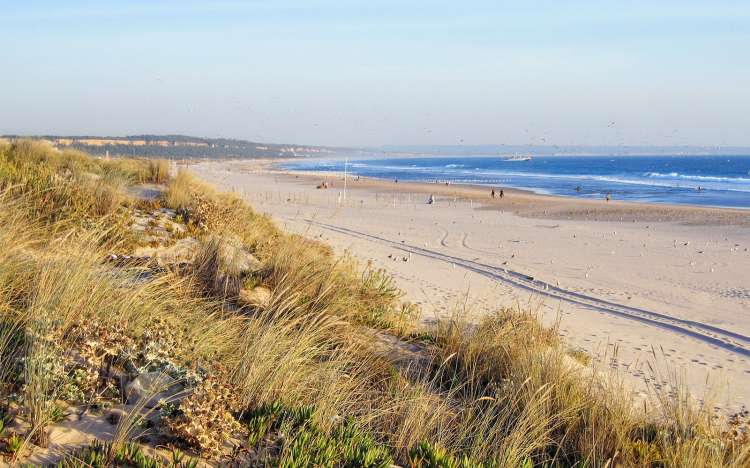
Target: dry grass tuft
(219,276)
(179,194)
(158,171)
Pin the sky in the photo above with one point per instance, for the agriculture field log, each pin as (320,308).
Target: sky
(368,73)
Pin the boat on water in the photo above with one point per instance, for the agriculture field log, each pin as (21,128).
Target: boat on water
(517,158)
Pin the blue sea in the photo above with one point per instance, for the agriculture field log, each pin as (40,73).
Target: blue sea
(724,181)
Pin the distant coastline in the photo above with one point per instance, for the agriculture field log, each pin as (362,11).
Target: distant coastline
(178,146)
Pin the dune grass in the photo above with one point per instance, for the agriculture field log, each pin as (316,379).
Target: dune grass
(300,380)
(158,171)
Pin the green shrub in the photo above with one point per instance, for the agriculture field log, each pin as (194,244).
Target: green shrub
(306,444)
(101,455)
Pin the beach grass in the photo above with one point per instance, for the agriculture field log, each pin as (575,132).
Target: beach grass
(311,375)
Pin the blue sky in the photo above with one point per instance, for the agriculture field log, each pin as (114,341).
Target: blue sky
(381,72)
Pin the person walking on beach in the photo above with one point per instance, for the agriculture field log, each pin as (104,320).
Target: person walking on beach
(502,194)
(492,194)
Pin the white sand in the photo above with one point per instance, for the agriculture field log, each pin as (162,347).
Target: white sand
(692,282)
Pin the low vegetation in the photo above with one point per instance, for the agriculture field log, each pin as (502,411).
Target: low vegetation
(187,328)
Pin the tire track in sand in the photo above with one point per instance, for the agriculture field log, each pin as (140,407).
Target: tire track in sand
(465,244)
(710,334)
(444,239)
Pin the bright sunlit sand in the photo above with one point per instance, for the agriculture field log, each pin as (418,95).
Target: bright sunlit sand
(659,292)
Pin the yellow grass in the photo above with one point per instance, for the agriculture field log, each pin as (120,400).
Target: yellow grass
(503,391)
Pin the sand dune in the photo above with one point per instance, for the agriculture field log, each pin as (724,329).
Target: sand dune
(648,290)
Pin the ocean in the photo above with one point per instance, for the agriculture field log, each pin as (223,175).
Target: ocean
(724,181)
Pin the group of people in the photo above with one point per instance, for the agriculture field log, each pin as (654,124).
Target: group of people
(493,194)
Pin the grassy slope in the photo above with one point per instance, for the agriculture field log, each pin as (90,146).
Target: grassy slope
(296,380)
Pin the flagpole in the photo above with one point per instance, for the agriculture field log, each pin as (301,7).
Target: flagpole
(346,163)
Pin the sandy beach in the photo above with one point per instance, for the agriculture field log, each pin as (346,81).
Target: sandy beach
(651,290)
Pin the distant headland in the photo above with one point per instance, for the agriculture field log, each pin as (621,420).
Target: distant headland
(178,146)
